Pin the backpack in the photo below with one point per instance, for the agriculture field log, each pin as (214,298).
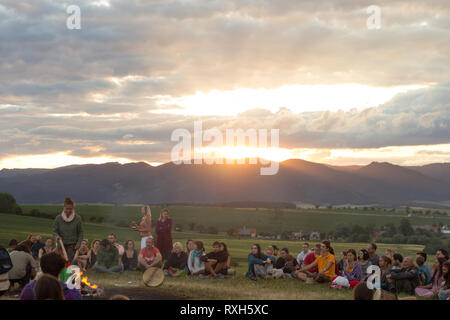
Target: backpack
(5,261)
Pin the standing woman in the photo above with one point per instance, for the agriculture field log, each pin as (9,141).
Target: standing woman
(145,226)
(68,228)
(164,233)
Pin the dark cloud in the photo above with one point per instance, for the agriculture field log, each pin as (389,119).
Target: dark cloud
(66,90)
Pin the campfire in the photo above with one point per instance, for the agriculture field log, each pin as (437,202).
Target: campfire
(88,289)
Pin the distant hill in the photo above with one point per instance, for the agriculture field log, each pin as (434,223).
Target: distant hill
(297,180)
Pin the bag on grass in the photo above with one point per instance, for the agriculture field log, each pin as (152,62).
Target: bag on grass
(341,281)
(5,261)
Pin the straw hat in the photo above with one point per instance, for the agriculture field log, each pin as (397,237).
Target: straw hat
(153,277)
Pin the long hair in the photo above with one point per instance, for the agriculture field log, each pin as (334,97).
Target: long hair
(199,245)
(48,287)
(258,254)
(447,275)
(365,254)
(126,244)
(387,260)
(438,270)
(161,214)
(187,245)
(328,245)
(94,241)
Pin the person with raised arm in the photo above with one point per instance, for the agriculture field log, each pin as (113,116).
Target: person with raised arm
(145,226)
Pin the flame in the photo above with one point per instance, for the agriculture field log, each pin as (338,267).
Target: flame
(84,280)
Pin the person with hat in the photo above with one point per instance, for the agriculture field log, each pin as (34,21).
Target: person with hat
(149,256)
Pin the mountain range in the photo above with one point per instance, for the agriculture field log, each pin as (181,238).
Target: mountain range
(297,181)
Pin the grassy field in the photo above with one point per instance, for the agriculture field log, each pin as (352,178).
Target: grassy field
(13,226)
(264,220)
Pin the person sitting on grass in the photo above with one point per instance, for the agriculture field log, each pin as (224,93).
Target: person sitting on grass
(291,267)
(341,263)
(303,274)
(444,291)
(108,260)
(48,287)
(269,267)
(275,250)
(256,263)
(176,264)
(431,290)
(397,261)
(440,253)
(424,276)
(95,245)
(352,269)
(362,292)
(149,256)
(429,269)
(363,258)
(195,264)
(389,253)
(24,266)
(36,247)
(51,264)
(216,261)
(224,248)
(48,248)
(404,280)
(82,255)
(373,257)
(12,245)
(325,263)
(189,246)
(305,251)
(385,268)
(113,239)
(130,256)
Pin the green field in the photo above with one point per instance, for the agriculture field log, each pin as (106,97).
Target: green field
(264,220)
(13,226)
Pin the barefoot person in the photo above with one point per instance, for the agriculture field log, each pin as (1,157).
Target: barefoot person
(163,230)
(68,228)
(149,256)
(145,226)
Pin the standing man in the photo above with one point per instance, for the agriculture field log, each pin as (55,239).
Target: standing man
(68,228)
(373,257)
(301,256)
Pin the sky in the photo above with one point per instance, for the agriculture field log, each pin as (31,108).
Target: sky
(115,90)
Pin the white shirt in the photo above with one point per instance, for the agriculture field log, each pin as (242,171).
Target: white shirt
(302,256)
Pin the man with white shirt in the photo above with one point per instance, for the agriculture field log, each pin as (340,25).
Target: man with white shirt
(303,253)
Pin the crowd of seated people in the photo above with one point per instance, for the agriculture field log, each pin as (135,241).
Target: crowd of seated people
(313,264)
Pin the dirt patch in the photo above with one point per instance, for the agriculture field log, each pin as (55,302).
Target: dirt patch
(136,294)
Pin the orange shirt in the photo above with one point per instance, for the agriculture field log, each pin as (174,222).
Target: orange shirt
(323,262)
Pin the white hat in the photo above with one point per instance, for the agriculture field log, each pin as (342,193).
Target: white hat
(4,281)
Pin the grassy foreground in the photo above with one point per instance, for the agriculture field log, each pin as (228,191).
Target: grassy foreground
(13,226)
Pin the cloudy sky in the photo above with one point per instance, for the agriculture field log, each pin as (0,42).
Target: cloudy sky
(115,90)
